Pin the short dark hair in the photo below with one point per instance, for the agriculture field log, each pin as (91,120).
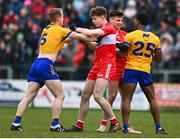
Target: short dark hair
(98,11)
(54,13)
(143,18)
(114,13)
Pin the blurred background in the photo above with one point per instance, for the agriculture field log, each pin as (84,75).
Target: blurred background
(21,23)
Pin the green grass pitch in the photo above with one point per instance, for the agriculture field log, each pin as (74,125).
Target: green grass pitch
(36,123)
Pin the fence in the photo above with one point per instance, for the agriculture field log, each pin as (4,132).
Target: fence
(70,73)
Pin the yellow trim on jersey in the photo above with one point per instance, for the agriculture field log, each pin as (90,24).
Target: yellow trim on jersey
(142,46)
(52,38)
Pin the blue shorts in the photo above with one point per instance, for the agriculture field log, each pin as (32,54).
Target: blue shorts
(42,69)
(134,76)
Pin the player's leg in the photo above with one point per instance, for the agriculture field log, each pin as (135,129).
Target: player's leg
(113,88)
(55,86)
(127,94)
(84,106)
(150,95)
(33,89)
(129,82)
(112,92)
(100,86)
(130,127)
(146,83)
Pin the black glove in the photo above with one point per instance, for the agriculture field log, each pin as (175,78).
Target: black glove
(123,48)
(73,27)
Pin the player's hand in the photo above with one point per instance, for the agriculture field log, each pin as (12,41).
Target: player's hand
(121,47)
(73,27)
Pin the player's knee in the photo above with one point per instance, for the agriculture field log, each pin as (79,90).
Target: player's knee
(60,96)
(85,96)
(111,98)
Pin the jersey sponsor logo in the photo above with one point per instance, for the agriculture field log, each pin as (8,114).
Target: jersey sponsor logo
(52,70)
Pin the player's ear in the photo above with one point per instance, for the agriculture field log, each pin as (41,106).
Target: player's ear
(110,20)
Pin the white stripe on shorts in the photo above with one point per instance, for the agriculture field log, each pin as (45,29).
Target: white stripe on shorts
(108,71)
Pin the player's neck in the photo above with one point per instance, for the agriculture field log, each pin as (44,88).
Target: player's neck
(117,29)
(143,28)
(54,23)
(104,23)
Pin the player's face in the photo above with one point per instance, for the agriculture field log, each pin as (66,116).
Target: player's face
(97,21)
(117,22)
(136,23)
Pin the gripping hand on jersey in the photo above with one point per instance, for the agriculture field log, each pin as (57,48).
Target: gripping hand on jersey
(123,48)
(73,27)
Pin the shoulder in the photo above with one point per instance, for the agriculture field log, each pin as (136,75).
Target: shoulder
(133,33)
(109,27)
(61,29)
(155,37)
(123,32)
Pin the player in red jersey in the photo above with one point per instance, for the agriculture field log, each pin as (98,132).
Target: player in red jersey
(102,71)
(116,19)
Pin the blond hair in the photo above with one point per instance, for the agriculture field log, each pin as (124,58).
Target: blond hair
(55,13)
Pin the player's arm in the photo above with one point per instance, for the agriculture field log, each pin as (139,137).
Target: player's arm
(75,35)
(122,48)
(68,40)
(157,55)
(90,32)
(87,32)
(70,35)
(91,45)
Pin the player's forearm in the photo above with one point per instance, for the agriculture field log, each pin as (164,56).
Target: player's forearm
(84,31)
(68,40)
(90,32)
(156,58)
(83,37)
(91,45)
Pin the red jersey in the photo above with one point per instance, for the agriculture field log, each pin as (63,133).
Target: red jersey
(120,62)
(106,44)
(105,64)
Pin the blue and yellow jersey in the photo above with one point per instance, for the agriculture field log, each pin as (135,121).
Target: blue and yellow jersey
(142,45)
(52,38)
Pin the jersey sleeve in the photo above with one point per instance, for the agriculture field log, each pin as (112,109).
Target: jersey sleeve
(65,32)
(127,39)
(158,44)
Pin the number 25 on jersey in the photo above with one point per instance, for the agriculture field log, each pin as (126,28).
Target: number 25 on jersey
(139,51)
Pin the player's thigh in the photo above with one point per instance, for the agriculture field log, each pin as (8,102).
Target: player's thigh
(55,86)
(128,90)
(88,88)
(113,88)
(129,82)
(120,88)
(100,86)
(149,91)
(33,89)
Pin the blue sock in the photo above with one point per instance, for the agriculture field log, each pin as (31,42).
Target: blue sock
(158,126)
(17,120)
(55,122)
(125,126)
